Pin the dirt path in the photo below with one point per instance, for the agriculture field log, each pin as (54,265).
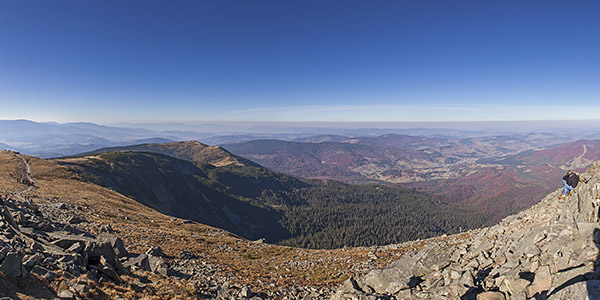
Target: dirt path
(19,195)
(579,161)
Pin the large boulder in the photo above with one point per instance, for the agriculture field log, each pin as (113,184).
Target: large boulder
(141,262)
(116,243)
(406,272)
(589,289)
(96,250)
(44,273)
(155,251)
(160,266)
(65,240)
(12,265)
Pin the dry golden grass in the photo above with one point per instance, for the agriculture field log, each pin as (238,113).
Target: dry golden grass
(242,261)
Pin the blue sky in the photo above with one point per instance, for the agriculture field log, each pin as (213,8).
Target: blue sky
(313,61)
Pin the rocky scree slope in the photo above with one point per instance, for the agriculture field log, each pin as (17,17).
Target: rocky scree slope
(63,212)
(48,250)
(549,251)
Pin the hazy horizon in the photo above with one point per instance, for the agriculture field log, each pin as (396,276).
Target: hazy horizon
(280,127)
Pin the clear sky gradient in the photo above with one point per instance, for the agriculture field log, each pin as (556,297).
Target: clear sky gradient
(139,61)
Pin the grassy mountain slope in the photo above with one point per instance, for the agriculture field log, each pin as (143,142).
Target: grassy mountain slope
(255,202)
(237,260)
(179,188)
(189,150)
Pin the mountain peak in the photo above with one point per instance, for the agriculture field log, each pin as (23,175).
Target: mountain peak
(194,151)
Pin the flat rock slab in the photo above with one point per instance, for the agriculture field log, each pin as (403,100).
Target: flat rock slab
(589,289)
(491,296)
(65,240)
(44,273)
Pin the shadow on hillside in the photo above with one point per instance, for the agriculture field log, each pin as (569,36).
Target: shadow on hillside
(476,289)
(20,288)
(593,288)
(592,278)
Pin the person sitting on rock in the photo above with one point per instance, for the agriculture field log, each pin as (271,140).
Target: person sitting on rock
(570,181)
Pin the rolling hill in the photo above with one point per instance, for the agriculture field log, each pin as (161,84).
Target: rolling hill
(390,158)
(488,174)
(576,155)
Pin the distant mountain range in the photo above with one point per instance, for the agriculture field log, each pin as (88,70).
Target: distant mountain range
(51,139)
(495,174)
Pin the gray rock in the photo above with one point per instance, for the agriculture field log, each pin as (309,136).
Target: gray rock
(3,253)
(246,292)
(542,282)
(65,240)
(32,260)
(81,289)
(11,265)
(140,262)
(76,247)
(8,217)
(155,251)
(59,205)
(65,294)
(96,250)
(159,266)
(24,272)
(551,244)
(467,279)
(107,269)
(106,228)
(186,255)
(580,290)
(35,246)
(116,243)
(491,296)
(76,219)
(401,274)
(44,273)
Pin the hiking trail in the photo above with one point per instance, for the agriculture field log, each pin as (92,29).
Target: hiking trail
(27,169)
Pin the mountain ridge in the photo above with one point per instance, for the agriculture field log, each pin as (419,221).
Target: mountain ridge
(296,212)
(186,150)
